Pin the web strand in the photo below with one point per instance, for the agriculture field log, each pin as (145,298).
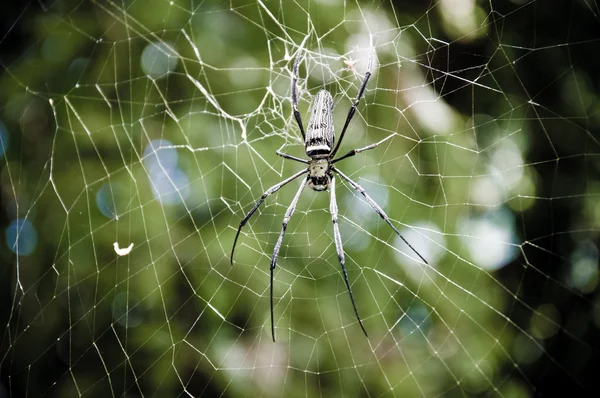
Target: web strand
(144,143)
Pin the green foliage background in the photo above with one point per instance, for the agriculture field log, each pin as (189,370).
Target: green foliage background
(173,318)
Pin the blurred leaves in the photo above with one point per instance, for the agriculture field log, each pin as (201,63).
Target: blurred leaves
(487,113)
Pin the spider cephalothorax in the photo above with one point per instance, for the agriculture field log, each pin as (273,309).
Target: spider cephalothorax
(319,174)
(319,146)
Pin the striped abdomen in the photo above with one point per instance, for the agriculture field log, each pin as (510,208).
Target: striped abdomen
(320,132)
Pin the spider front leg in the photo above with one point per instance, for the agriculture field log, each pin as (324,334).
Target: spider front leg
(377,209)
(286,219)
(339,248)
(268,192)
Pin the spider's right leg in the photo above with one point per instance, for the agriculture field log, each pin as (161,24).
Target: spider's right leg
(286,156)
(295,96)
(286,219)
(268,192)
(339,248)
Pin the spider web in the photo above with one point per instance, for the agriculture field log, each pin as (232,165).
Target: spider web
(135,136)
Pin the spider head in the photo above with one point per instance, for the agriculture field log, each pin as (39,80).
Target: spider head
(319,175)
(319,183)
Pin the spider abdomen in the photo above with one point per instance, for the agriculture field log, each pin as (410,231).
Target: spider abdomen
(320,131)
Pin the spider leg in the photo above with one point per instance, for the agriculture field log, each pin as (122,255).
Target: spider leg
(268,192)
(339,248)
(295,96)
(286,219)
(377,209)
(352,110)
(359,150)
(286,156)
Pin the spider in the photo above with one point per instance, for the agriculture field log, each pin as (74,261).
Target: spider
(319,147)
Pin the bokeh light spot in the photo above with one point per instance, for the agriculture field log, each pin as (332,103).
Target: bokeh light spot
(159,59)
(21,237)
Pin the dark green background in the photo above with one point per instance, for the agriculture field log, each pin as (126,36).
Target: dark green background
(66,331)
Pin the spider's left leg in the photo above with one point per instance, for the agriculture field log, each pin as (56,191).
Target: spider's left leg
(377,209)
(359,150)
(286,219)
(340,249)
(352,110)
